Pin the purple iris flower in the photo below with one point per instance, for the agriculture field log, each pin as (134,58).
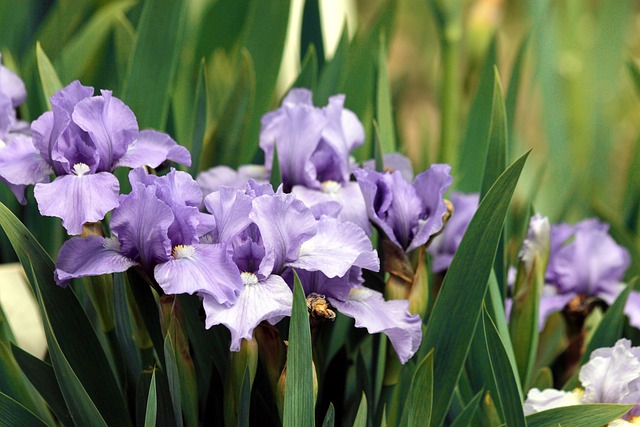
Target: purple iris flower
(444,246)
(584,260)
(214,178)
(313,147)
(612,375)
(12,94)
(408,213)
(269,234)
(369,309)
(156,227)
(82,140)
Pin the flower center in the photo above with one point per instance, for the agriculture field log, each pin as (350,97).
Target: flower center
(249,278)
(80,169)
(330,186)
(183,251)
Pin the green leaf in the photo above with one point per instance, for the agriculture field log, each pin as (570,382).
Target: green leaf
(508,395)
(173,379)
(13,414)
(330,417)
(361,415)
(199,125)
(465,418)
(420,401)
(16,385)
(123,39)
(266,31)
(311,34)
(384,106)
(594,415)
(146,304)
(76,353)
(298,396)
(226,143)
(473,146)
(308,76)
(276,174)
(245,399)
(152,404)
(153,62)
(496,157)
(471,265)
(331,75)
(48,76)
(513,91)
(43,378)
(81,51)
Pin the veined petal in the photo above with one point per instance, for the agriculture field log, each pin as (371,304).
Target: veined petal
(178,188)
(230,207)
(431,186)
(200,268)
(110,124)
(21,163)
(336,247)
(284,223)
(89,256)
(268,300)
(371,311)
(151,148)
(141,223)
(78,199)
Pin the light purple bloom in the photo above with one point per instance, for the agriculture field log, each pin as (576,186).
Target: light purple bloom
(313,146)
(408,213)
(585,260)
(12,94)
(214,178)
(444,246)
(82,140)
(612,375)
(393,162)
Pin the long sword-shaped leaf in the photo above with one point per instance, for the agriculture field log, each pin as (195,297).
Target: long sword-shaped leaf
(153,62)
(594,415)
(466,416)
(13,414)
(470,269)
(48,76)
(420,400)
(298,395)
(68,328)
(384,109)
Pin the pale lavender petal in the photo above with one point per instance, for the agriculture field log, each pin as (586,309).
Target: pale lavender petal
(550,398)
(7,115)
(12,86)
(295,128)
(268,300)
(329,208)
(66,98)
(78,199)
(371,311)
(334,287)
(212,179)
(284,223)
(184,228)
(17,190)
(21,163)
(178,188)
(336,247)
(393,162)
(348,195)
(609,374)
(230,207)
(151,148)
(43,129)
(431,187)
(378,192)
(632,309)
(200,269)
(110,124)
(89,256)
(141,223)
(551,302)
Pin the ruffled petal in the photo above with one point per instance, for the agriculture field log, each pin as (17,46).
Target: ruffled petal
(431,186)
(78,199)
(230,207)
(550,398)
(203,269)
(348,196)
(141,223)
(284,223)
(12,86)
(151,148)
(371,311)
(393,162)
(212,179)
(110,124)
(268,300)
(21,163)
(89,256)
(178,188)
(336,247)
